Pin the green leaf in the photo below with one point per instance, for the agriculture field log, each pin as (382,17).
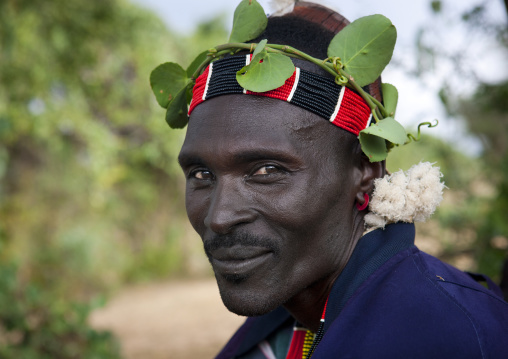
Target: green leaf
(190,88)
(390,98)
(176,115)
(260,51)
(365,47)
(373,138)
(389,129)
(373,146)
(436,6)
(195,63)
(267,75)
(166,81)
(249,21)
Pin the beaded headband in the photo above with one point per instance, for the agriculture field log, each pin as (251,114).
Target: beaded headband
(338,104)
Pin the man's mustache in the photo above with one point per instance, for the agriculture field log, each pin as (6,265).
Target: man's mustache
(241,239)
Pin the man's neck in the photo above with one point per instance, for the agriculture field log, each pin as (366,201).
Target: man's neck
(308,305)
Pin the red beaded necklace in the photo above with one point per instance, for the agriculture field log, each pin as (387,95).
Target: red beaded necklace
(304,341)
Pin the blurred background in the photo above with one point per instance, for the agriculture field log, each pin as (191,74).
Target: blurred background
(97,259)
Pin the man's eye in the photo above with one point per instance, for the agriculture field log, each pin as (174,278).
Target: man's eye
(266,170)
(202,175)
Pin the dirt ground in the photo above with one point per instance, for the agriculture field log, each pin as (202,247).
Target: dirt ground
(184,320)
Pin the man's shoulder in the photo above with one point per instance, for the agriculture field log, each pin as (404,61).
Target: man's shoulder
(444,285)
(415,303)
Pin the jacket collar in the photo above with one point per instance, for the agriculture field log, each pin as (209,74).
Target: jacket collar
(372,251)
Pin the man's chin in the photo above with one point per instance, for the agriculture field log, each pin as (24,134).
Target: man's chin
(248,308)
(249,303)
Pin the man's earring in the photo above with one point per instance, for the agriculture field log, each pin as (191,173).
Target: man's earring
(361,207)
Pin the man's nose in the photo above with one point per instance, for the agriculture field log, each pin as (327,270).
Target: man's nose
(229,206)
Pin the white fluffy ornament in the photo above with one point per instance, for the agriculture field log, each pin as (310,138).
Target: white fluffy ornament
(281,7)
(410,196)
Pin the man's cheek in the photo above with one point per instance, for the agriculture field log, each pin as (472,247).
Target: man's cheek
(196,208)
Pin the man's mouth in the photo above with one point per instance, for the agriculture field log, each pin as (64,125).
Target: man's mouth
(238,259)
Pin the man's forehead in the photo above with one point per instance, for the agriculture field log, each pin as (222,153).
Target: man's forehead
(239,127)
(250,116)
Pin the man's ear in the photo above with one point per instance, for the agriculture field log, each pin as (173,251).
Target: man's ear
(369,172)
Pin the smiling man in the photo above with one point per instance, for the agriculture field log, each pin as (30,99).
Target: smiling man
(270,187)
(307,235)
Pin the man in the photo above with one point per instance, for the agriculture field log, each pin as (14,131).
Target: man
(278,196)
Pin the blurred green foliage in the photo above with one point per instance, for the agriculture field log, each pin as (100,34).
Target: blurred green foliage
(486,114)
(37,325)
(484,109)
(451,232)
(90,190)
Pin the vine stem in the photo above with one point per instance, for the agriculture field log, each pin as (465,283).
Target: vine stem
(380,107)
(411,137)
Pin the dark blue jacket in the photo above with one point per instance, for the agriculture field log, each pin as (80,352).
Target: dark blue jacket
(394,301)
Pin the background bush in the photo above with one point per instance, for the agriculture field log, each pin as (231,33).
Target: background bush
(90,191)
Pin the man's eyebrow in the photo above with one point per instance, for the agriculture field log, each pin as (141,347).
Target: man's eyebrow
(187,160)
(263,154)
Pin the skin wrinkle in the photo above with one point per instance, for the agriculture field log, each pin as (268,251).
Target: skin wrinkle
(308,212)
(343,141)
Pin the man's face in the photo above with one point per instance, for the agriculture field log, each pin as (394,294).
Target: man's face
(269,196)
